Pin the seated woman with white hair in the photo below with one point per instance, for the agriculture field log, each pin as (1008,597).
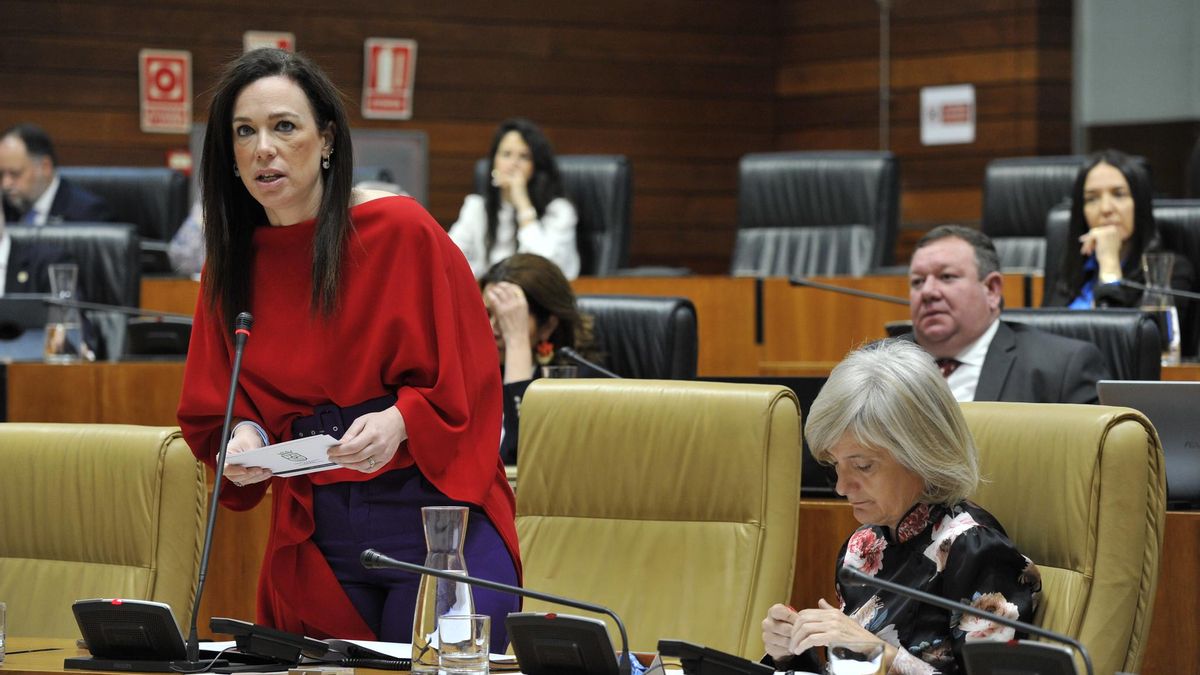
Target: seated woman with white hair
(905,460)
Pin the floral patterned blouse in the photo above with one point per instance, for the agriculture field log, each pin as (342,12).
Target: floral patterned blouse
(958,552)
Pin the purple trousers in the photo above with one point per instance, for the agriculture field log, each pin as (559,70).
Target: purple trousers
(384,513)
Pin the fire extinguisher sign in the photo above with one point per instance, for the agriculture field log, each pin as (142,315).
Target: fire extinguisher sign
(389,67)
(165,84)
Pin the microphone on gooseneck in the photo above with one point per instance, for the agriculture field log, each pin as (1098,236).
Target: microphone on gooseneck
(853,577)
(843,290)
(578,358)
(241,332)
(1185,295)
(372,559)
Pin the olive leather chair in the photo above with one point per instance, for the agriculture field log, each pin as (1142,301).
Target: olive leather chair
(96,511)
(675,504)
(1081,490)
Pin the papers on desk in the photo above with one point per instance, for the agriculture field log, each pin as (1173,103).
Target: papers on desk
(290,458)
(500,663)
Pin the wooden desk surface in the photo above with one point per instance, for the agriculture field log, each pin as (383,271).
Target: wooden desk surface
(37,662)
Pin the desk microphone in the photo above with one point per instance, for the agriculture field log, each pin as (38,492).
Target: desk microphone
(241,331)
(578,358)
(852,577)
(372,559)
(809,283)
(1186,295)
(116,309)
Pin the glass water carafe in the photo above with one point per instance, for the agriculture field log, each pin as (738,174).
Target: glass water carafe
(64,335)
(445,533)
(1160,305)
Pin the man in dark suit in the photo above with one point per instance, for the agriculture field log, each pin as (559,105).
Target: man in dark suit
(955,297)
(27,268)
(34,193)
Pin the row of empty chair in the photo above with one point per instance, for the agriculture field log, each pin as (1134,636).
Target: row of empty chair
(799,213)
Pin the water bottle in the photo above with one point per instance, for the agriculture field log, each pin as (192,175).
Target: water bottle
(445,534)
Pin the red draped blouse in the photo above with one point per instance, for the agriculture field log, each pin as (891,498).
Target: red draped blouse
(410,321)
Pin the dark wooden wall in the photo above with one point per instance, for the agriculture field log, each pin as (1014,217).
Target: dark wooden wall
(1017,53)
(682,87)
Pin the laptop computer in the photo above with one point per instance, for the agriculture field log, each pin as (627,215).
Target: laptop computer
(1171,408)
(22,327)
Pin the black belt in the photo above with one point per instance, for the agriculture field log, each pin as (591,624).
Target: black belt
(333,420)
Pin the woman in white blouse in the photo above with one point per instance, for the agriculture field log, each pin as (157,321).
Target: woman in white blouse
(523,210)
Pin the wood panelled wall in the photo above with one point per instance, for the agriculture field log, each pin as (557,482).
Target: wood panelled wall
(682,87)
(1017,53)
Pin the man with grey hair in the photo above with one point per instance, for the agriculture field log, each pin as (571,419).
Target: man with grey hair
(955,293)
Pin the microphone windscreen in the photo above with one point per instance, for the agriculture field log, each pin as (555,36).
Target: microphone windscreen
(371,559)
(243,321)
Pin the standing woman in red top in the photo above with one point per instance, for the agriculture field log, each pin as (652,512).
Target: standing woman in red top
(368,327)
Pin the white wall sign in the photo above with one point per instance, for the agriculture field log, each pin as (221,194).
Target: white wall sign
(948,114)
(165,78)
(257,39)
(389,68)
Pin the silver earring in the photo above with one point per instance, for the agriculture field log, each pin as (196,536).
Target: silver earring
(325,163)
(236,172)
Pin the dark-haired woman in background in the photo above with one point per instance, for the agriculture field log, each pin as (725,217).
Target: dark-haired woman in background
(523,209)
(368,327)
(1112,221)
(533,314)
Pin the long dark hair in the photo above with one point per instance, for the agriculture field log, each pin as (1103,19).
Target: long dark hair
(231,213)
(548,293)
(545,185)
(1145,232)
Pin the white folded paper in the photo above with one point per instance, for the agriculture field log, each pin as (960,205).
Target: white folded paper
(290,458)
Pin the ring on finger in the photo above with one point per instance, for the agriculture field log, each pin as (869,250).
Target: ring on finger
(371,463)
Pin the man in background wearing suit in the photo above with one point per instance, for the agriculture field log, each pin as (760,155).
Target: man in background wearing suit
(955,300)
(25,268)
(34,193)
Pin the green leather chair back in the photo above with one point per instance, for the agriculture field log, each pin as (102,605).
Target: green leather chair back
(673,503)
(1081,490)
(96,511)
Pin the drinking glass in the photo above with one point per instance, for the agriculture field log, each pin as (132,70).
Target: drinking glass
(64,336)
(1160,305)
(3,617)
(463,642)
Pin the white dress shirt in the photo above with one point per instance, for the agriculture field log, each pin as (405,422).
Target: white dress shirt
(552,236)
(965,378)
(5,252)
